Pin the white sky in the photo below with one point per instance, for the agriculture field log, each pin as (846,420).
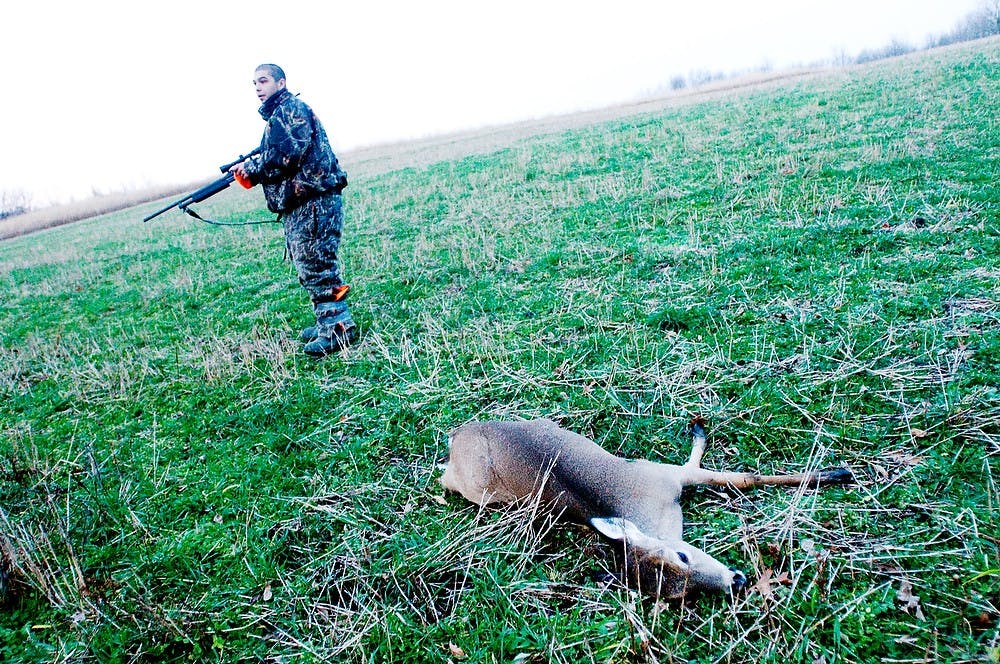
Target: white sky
(111,94)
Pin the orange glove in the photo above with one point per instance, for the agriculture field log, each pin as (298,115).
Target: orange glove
(243,180)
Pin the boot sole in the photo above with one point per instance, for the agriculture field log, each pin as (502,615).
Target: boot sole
(339,346)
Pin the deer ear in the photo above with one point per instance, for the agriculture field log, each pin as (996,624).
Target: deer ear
(623,530)
(615,528)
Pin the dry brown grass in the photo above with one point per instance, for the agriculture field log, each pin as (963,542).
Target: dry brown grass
(59,215)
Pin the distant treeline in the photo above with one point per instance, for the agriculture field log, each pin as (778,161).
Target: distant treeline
(981,23)
(14,202)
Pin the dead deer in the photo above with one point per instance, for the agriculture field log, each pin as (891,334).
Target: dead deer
(635,502)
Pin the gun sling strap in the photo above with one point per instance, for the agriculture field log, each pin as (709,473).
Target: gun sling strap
(197,216)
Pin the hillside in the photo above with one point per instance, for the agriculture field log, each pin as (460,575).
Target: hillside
(809,264)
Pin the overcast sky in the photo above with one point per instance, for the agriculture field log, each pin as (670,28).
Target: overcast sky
(111,94)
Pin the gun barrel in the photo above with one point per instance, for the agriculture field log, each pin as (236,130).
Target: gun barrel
(197,196)
(176,203)
(210,189)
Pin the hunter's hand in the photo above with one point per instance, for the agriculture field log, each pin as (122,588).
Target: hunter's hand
(239,169)
(239,172)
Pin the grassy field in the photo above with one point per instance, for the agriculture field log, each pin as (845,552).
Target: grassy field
(812,265)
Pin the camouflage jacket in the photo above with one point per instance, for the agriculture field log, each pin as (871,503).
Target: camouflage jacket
(296,162)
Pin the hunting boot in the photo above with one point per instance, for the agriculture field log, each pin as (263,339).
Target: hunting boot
(311,332)
(335,329)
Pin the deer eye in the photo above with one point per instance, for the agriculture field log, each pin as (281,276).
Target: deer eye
(683,557)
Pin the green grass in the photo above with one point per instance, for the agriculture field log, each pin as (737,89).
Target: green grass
(812,266)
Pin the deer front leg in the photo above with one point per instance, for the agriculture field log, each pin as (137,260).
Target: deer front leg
(692,476)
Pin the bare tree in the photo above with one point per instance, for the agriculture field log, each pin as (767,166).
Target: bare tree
(979,23)
(14,202)
(896,48)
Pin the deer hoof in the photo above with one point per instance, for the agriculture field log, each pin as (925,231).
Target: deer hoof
(739,581)
(605,578)
(837,476)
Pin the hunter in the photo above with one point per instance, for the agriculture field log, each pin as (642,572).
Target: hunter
(302,182)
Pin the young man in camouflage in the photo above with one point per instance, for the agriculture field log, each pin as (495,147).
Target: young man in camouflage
(302,182)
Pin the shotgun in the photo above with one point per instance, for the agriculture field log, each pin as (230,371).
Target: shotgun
(210,189)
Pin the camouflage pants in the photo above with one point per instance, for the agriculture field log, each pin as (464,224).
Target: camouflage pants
(312,234)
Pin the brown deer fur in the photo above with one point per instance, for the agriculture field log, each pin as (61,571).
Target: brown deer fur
(635,502)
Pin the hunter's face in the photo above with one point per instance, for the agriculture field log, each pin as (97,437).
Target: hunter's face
(265,85)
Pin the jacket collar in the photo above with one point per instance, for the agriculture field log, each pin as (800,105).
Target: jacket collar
(266,109)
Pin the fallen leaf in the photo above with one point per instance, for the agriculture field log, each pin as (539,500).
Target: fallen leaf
(765,585)
(267,593)
(984,621)
(911,603)
(440,499)
(456,652)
